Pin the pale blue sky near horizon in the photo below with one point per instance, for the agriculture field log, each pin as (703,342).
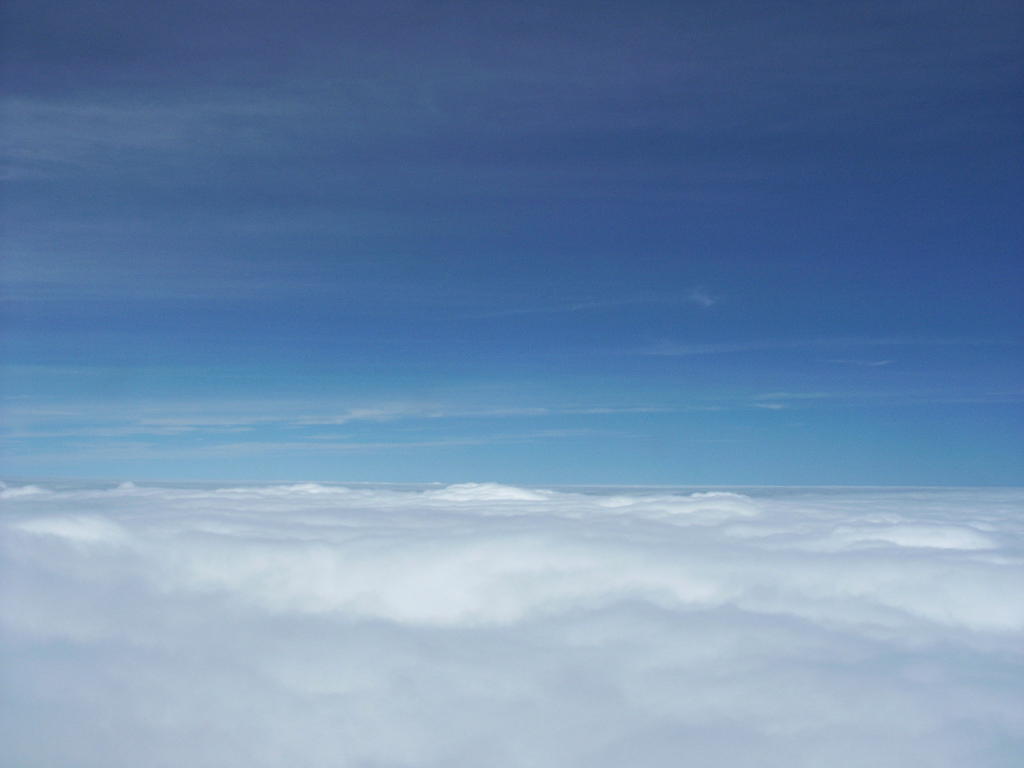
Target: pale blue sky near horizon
(718,243)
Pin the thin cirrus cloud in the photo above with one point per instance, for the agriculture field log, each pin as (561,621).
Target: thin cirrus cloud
(500,625)
(217,416)
(698,297)
(863,363)
(667,348)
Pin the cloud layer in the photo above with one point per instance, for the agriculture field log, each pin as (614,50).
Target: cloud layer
(481,624)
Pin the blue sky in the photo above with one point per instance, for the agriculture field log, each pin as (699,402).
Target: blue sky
(683,243)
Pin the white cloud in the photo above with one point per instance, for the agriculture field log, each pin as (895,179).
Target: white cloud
(698,296)
(482,624)
(863,363)
(701,297)
(670,348)
(794,396)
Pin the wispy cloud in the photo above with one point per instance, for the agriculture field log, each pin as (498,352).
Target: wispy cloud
(667,348)
(49,136)
(92,449)
(702,298)
(797,395)
(863,363)
(288,423)
(698,297)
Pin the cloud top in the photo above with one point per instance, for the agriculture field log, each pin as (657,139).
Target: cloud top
(488,624)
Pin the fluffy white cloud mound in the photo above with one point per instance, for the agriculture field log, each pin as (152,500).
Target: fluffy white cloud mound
(482,624)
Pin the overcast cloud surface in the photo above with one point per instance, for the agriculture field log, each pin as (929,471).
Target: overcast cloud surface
(490,625)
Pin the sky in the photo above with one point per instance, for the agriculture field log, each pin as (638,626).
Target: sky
(648,243)
(483,624)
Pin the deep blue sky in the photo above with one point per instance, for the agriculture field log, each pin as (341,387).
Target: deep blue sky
(686,242)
